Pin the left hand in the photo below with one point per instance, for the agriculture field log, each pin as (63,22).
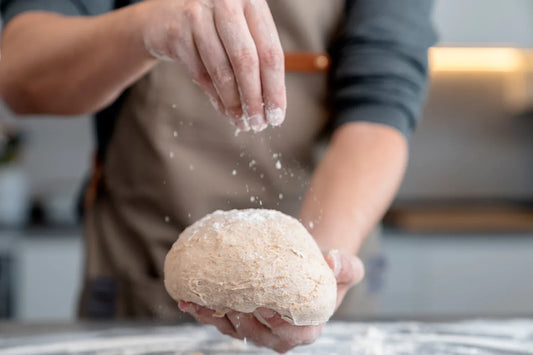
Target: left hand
(279,335)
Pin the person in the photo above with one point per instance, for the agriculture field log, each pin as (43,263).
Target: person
(349,71)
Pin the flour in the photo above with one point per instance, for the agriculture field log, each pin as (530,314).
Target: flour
(480,337)
(274,116)
(214,103)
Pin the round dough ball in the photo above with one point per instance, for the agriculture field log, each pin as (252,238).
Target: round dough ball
(246,259)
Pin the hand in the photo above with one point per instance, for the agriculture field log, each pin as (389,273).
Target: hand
(231,49)
(265,327)
(348,269)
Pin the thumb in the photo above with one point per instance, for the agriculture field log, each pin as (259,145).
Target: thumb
(348,269)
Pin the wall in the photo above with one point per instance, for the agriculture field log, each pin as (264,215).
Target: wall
(485,21)
(56,158)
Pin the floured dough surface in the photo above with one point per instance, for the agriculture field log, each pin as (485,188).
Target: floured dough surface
(246,259)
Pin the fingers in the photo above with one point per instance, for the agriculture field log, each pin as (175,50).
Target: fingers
(271,60)
(288,335)
(297,334)
(207,316)
(232,51)
(247,326)
(348,269)
(182,46)
(276,334)
(216,62)
(239,44)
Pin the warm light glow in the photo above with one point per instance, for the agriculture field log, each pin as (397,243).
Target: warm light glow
(476,59)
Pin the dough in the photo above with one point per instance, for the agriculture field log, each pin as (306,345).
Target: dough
(245,259)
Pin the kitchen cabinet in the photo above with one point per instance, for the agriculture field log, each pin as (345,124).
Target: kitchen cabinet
(446,275)
(439,275)
(485,22)
(47,272)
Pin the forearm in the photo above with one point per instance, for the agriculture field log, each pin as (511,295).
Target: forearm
(71,65)
(354,184)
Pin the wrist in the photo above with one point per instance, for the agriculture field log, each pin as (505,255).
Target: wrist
(333,231)
(133,23)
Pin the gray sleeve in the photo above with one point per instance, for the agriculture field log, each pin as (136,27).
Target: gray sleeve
(12,8)
(380,67)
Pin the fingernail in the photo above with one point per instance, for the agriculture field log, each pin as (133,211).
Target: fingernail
(274,116)
(242,124)
(336,258)
(187,307)
(258,123)
(266,313)
(262,314)
(235,114)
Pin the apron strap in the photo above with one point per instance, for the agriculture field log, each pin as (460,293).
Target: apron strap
(93,186)
(307,62)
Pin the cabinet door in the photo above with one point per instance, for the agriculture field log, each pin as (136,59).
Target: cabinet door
(48,275)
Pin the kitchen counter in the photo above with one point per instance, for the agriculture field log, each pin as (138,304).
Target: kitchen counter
(487,337)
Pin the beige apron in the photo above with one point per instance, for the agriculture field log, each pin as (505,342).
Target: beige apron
(173,159)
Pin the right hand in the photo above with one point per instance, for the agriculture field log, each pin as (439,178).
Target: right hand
(264,327)
(231,49)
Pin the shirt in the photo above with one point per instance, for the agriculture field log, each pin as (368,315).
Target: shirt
(380,68)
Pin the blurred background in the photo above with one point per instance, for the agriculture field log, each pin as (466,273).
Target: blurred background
(457,241)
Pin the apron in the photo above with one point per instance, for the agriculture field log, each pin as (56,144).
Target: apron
(174,159)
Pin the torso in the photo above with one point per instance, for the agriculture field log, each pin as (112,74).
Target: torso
(173,159)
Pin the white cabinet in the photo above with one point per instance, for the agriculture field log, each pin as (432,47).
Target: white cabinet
(48,274)
(458,275)
(485,22)
(426,276)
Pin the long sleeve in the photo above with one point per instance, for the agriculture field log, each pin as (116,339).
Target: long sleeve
(380,66)
(11,8)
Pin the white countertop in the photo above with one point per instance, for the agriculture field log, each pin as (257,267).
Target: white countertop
(487,337)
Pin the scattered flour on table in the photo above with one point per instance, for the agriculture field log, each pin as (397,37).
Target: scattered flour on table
(481,337)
